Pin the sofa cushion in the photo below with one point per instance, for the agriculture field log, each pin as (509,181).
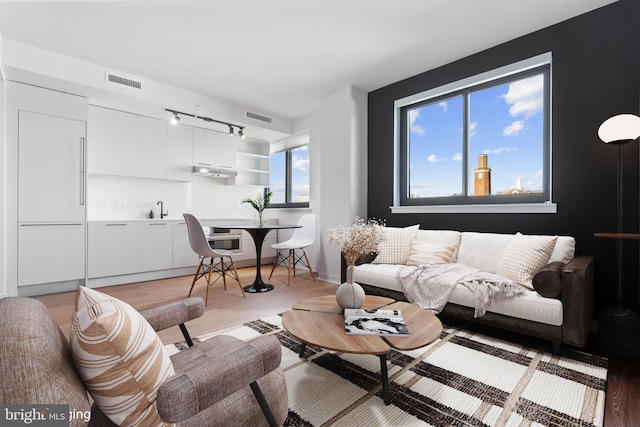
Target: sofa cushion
(441,237)
(119,357)
(394,249)
(421,253)
(528,306)
(482,250)
(548,281)
(524,257)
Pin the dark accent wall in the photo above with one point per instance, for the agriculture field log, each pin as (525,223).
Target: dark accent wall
(595,75)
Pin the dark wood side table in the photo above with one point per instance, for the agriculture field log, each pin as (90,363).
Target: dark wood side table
(618,326)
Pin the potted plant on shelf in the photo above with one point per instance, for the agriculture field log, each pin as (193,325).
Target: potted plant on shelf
(260,202)
(360,238)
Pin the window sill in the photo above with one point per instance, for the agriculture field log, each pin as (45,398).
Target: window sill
(545,208)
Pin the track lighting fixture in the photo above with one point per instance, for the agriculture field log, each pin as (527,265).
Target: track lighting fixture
(175,119)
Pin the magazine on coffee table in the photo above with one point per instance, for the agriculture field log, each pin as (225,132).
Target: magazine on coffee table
(374,322)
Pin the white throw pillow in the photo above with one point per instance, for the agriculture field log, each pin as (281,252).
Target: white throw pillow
(394,249)
(421,253)
(119,357)
(524,257)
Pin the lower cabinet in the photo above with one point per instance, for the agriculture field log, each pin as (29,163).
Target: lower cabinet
(183,256)
(49,253)
(157,246)
(115,248)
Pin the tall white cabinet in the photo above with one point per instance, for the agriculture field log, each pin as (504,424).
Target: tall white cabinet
(51,186)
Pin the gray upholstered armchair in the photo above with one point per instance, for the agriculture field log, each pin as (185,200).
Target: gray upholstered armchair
(221,381)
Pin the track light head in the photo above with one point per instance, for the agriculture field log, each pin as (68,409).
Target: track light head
(230,130)
(175,119)
(241,132)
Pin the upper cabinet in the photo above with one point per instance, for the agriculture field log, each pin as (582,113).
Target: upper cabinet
(252,162)
(213,149)
(180,153)
(112,142)
(153,151)
(125,144)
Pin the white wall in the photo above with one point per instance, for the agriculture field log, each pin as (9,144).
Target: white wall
(343,169)
(122,198)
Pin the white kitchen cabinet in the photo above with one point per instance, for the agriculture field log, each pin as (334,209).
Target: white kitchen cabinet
(153,153)
(204,147)
(114,248)
(180,153)
(183,256)
(51,179)
(214,149)
(225,150)
(112,138)
(157,245)
(49,253)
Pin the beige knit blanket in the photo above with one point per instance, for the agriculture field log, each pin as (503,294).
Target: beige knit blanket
(430,286)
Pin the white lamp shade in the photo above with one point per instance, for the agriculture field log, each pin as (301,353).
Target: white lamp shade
(620,128)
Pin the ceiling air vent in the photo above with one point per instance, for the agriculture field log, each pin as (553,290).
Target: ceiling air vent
(123,81)
(259,117)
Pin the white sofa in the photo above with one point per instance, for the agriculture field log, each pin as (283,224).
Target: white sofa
(564,315)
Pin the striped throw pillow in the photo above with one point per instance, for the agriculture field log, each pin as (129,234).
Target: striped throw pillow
(421,253)
(119,357)
(524,257)
(394,249)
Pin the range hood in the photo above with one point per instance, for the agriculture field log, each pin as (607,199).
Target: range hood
(214,172)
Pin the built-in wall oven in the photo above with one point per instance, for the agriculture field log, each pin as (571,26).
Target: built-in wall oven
(224,238)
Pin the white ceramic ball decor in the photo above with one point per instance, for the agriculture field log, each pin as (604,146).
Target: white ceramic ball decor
(350,295)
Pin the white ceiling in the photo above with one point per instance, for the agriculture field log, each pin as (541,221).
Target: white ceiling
(277,57)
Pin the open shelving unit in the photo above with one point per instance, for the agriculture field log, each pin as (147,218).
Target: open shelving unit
(252,163)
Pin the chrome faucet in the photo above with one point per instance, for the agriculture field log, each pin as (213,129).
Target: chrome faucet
(162,212)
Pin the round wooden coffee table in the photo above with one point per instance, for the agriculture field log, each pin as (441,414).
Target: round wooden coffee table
(320,322)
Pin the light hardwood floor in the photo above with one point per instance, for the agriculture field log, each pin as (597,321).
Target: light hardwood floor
(227,308)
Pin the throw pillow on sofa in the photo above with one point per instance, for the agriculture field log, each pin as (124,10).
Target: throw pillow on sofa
(394,249)
(119,357)
(524,257)
(421,253)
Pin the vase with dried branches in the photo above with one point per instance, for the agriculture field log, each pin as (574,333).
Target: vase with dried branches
(360,238)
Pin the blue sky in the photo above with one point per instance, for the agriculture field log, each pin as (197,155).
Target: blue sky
(299,170)
(505,122)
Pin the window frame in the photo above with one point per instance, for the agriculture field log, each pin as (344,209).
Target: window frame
(289,172)
(534,203)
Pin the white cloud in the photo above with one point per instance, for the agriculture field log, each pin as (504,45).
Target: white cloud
(444,106)
(513,129)
(433,159)
(525,97)
(499,150)
(472,129)
(301,163)
(417,129)
(457,157)
(538,174)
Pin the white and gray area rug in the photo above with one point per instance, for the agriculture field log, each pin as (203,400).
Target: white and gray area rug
(461,379)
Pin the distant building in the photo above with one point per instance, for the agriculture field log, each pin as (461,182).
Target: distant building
(482,177)
(518,189)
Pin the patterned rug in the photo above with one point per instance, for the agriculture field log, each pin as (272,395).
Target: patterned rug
(461,379)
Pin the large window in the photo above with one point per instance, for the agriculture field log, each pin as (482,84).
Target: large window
(289,174)
(482,141)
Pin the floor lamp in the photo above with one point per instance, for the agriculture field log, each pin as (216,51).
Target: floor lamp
(619,327)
